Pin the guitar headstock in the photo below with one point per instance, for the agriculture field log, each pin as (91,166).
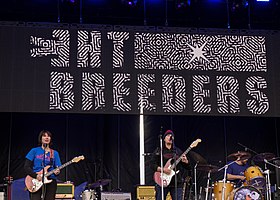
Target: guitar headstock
(77,159)
(195,143)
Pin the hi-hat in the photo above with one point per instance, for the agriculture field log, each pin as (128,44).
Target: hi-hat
(100,182)
(207,168)
(241,155)
(263,156)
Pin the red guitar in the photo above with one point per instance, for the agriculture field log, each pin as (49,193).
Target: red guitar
(33,185)
(166,178)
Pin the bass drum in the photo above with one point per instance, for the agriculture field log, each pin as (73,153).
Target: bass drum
(245,193)
(218,190)
(89,195)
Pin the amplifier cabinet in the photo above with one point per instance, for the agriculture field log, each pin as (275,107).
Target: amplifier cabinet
(146,192)
(115,196)
(64,191)
(1,195)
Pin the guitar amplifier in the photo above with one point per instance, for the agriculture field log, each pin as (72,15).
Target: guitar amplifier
(1,195)
(64,191)
(146,192)
(115,196)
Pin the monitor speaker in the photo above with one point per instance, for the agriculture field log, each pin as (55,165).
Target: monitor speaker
(64,191)
(115,196)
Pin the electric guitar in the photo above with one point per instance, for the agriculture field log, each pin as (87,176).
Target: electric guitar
(165,179)
(33,185)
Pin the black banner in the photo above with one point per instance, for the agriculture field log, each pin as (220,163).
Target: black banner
(123,70)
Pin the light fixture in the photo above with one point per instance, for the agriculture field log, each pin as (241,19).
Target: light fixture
(130,2)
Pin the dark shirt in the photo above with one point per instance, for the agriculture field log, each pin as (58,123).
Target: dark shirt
(169,154)
(236,169)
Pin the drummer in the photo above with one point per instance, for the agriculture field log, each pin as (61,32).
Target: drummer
(235,171)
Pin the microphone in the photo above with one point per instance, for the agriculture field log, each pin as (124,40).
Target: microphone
(171,138)
(45,145)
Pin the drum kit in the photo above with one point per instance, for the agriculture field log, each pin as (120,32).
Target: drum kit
(94,190)
(256,186)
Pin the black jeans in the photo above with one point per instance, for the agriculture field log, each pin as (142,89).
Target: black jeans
(169,189)
(49,192)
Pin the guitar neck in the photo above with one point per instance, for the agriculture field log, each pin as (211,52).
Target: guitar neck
(60,167)
(180,158)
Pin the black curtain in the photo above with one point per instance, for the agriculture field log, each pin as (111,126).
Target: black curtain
(110,143)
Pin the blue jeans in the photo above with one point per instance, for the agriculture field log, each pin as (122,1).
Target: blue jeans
(171,190)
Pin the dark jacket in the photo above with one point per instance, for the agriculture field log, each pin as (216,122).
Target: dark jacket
(169,154)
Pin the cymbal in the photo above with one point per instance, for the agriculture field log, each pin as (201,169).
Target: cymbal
(197,157)
(207,168)
(263,156)
(242,155)
(274,159)
(100,182)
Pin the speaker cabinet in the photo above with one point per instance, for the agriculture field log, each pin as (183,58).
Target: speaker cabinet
(64,191)
(115,196)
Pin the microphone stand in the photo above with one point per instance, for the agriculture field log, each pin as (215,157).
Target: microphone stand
(195,185)
(207,185)
(224,179)
(161,166)
(43,176)
(174,159)
(246,148)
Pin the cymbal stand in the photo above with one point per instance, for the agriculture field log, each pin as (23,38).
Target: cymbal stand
(267,178)
(207,185)
(224,179)
(195,184)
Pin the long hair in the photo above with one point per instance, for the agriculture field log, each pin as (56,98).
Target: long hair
(41,134)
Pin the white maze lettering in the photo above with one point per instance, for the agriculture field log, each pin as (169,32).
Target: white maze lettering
(171,59)
(89,49)
(93,91)
(58,46)
(118,43)
(145,93)
(227,88)
(120,92)
(255,86)
(200,93)
(61,91)
(173,93)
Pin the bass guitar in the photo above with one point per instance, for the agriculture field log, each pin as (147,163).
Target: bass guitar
(165,179)
(33,184)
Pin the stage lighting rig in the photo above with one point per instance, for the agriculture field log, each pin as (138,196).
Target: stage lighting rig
(129,2)
(183,3)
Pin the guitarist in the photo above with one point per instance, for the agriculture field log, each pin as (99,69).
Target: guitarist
(38,158)
(170,152)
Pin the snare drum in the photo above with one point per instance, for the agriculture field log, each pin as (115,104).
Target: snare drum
(218,189)
(254,177)
(89,195)
(246,192)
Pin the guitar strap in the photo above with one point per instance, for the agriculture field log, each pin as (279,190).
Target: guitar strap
(51,157)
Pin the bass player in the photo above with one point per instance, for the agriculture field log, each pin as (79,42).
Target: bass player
(43,157)
(169,152)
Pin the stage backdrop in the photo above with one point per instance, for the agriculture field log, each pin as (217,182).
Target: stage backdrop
(110,143)
(117,70)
